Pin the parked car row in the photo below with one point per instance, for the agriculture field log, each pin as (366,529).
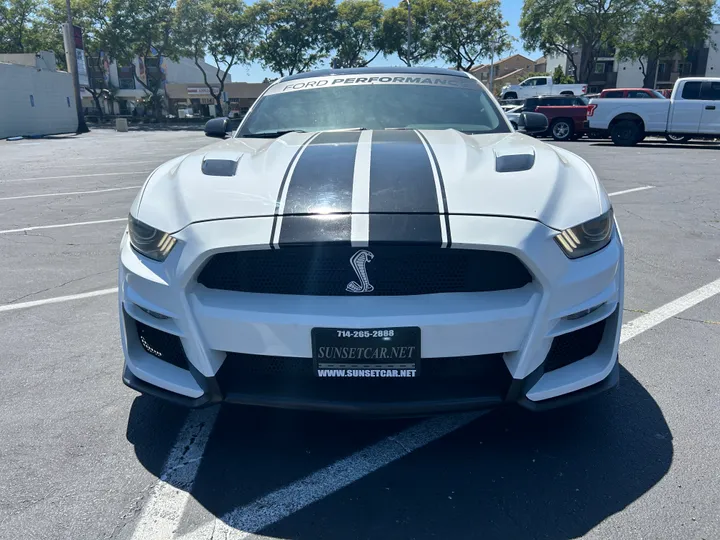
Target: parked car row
(691,112)
(628,115)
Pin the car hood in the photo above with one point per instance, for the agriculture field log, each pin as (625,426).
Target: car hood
(388,171)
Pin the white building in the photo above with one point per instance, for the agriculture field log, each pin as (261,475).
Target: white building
(36,98)
(610,73)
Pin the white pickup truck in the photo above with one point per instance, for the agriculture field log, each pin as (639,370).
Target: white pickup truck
(692,112)
(541,86)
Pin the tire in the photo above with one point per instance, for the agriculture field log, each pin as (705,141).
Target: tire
(626,133)
(677,138)
(510,95)
(562,130)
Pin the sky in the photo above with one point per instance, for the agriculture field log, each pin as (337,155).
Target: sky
(511,12)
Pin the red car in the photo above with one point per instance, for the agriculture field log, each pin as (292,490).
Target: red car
(566,122)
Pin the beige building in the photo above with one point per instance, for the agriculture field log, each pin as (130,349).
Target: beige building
(239,97)
(510,70)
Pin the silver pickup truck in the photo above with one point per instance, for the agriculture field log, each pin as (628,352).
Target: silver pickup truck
(692,112)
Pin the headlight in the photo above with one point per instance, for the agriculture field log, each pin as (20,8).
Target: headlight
(149,241)
(587,237)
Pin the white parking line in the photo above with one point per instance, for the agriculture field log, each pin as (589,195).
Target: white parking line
(62,225)
(68,193)
(164,505)
(633,190)
(125,173)
(57,300)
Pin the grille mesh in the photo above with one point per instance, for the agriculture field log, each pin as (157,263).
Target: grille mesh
(439,378)
(394,271)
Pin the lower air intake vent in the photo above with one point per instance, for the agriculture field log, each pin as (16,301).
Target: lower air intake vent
(574,346)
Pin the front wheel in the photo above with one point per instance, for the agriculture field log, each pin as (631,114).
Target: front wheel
(626,133)
(562,130)
(677,138)
(510,95)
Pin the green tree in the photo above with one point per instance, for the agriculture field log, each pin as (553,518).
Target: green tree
(295,35)
(223,29)
(566,26)
(146,30)
(559,76)
(467,30)
(666,28)
(423,46)
(358,31)
(19,26)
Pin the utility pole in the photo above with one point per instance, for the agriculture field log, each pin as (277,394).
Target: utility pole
(657,69)
(72,67)
(409,29)
(492,66)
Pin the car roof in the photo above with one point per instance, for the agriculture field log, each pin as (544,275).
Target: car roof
(378,70)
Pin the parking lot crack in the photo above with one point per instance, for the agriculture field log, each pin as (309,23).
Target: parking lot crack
(405,448)
(59,286)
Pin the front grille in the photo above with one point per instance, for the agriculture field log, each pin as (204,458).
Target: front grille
(574,346)
(393,271)
(293,378)
(162,345)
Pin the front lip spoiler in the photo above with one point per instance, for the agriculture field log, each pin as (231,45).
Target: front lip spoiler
(516,395)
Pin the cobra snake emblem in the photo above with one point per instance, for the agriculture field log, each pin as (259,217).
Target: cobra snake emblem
(358,262)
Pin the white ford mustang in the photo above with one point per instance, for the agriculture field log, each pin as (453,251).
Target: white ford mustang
(375,241)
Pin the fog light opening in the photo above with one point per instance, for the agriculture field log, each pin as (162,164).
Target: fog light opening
(153,313)
(583,313)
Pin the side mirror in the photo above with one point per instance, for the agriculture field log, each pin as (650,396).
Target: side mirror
(530,122)
(217,127)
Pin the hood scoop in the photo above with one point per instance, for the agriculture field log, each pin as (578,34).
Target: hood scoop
(514,160)
(218,165)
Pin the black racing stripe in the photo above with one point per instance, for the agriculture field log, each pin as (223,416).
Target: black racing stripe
(282,187)
(402,182)
(442,188)
(322,183)
(319,229)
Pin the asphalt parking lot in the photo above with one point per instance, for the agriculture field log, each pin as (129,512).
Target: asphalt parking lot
(84,457)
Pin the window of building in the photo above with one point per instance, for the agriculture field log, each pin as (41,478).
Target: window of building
(691,90)
(600,67)
(126,78)
(685,68)
(661,68)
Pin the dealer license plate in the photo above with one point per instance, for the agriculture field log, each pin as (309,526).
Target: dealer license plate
(372,352)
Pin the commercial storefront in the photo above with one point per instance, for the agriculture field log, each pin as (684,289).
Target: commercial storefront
(196,99)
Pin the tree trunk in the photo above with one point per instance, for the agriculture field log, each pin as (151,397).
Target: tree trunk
(586,64)
(96,99)
(218,104)
(649,75)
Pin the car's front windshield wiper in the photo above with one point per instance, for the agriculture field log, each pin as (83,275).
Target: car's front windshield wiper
(271,134)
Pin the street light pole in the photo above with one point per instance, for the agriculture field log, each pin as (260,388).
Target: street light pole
(72,67)
(409,29)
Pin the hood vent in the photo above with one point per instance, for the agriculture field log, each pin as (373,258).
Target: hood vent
(219,167)
(514,162)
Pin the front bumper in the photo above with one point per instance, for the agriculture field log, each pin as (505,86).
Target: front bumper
(514,329)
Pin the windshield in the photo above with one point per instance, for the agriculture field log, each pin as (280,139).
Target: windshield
(339,105)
